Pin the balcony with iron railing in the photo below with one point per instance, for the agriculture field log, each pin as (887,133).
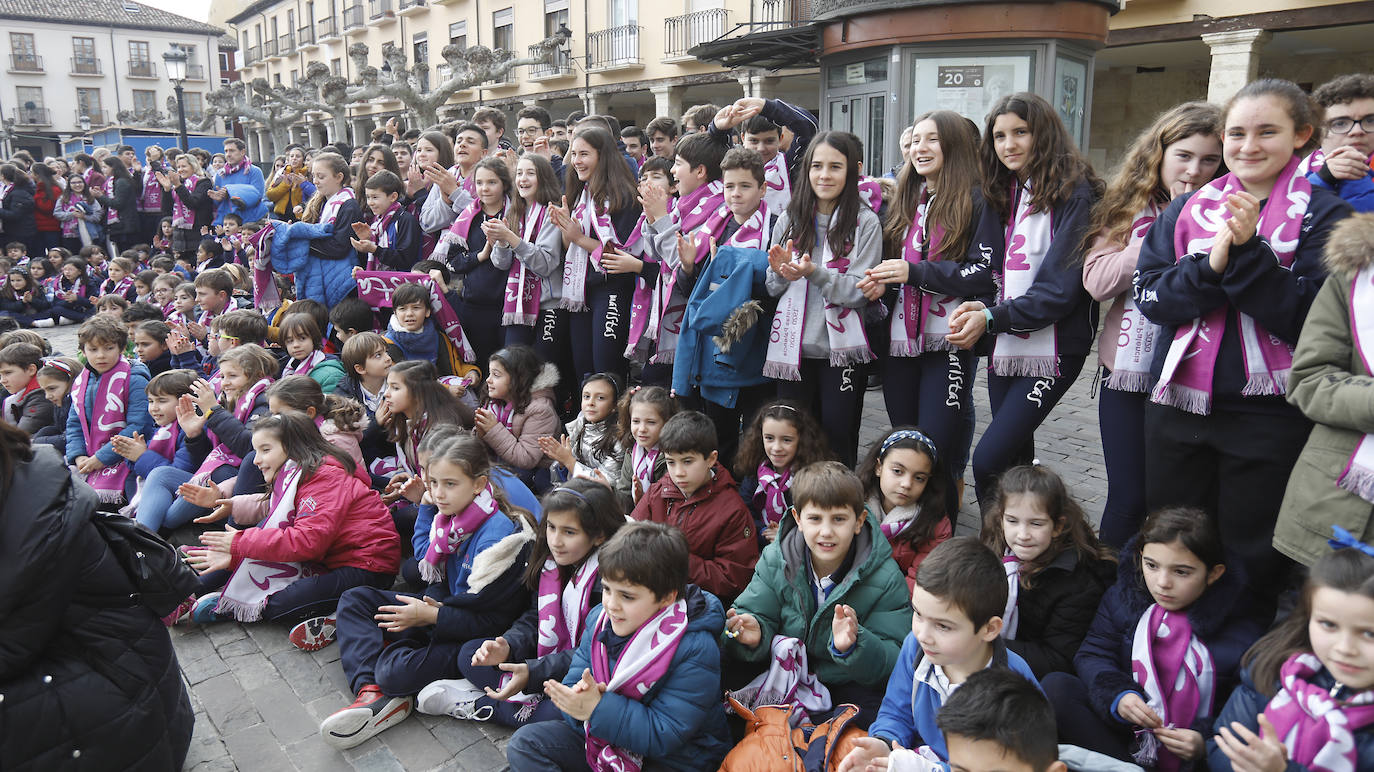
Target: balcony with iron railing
(327,29)
(560,67)
(306,36)
(269,49)
(616,48)
(252,54)
(96,117)
(141,68)
(32,116)
(286,44)
(681,33)
(784,13)
(411,7)
(353,17)
(26,63)
(195,72)
(82,65)
(381,11)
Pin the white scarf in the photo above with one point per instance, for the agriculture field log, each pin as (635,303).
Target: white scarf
(1011,616)
(331,207)
(1135,341)
(254,581)
(844,326)
(777,184)
(598,226)
(788,681)
(1027,243)
(315,358)
(1358,476)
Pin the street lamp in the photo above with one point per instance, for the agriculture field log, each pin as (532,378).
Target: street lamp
(175,60)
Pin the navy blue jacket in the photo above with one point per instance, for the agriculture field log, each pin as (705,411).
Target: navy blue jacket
(483,283)
(482,591)
(1247,703)
(1057,295)
(1172,292)
(796,120)
(338,245)
(1219,620)
(405,236)
(55,434)
(237,437)
(972,279)
(679,723)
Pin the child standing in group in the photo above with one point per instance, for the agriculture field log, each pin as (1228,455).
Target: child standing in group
(955,632)
(518,409)
(780,441)
(466,248)
(323,531)
(1057,570)
(1175,156)
(392,240)
(592,448)
(1229,273)
(25,405)
(318,250)
(1039,192)
(303,340)
(699,496)
(503,677)
(643,413)
(529,248)
(107,383)
(821,248)
(828,583)
(643,686)
(473,548)
(1306,697)
(55,378)
(904,488)
(1167,640)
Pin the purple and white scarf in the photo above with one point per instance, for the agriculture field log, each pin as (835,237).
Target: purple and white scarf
(563,608)
(1011,616)
(112,287)
(1186,381)
(871,193)
(375,288)
(381,234)
(1135,341)
(771,495)
(643,661)
(1034,354)
(182,215)
(151,198)
(1175,671)
(254,581)
(921,319)
(229,168)
(598,226)
(788,681)
(642,463)
(303,367)
(164,443)
(777,184)
(1358,475)
(1317,729)
(220,454)
(331,206)
(503,410)
(108,417)
(844,326)
(448,532)
(521,302)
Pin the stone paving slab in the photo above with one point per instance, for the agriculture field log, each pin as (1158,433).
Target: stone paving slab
(258,701)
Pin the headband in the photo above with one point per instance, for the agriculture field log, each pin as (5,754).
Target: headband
(910,434)
(573,491)
(786,406)
(1343,539)
(58,364)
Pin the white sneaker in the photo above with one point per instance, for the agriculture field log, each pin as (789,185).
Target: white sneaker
(456,698)
(44,323)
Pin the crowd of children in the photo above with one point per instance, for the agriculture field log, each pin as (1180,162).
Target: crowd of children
(569,440)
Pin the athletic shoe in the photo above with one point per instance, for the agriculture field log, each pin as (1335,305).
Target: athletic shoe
(204,611)
(180,611)
(456,698)
(313,634)
(371,713)
(44,323)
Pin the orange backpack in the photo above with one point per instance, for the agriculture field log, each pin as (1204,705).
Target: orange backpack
(771,744)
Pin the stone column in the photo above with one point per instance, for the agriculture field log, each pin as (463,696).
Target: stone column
(596,102)
(1235,61)
(668,100)
(766,86)
(747,82)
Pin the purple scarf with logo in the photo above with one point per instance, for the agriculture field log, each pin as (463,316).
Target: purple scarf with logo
(109,415)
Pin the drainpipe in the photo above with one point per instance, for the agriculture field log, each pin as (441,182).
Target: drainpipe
(114,69)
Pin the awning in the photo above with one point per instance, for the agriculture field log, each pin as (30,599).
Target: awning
(779,48)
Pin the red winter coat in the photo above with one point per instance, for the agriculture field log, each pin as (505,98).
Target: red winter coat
(719,529)
(339,522)
(43,220)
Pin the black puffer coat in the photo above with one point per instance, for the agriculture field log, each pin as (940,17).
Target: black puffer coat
(80,688)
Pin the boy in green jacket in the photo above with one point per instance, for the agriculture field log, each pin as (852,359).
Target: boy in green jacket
(828,581)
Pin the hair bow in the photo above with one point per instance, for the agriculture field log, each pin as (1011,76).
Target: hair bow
(1343,539)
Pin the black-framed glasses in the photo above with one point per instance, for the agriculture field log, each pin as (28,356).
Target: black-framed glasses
(1344,125)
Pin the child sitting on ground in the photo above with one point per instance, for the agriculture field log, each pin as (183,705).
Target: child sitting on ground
(303,341)
(699,496)
(25,405)
(905,486)
(643,687)
(827,593)
(55,378)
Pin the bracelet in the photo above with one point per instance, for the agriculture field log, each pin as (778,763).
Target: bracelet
(987,316)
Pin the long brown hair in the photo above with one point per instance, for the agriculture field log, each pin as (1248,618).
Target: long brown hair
(1137,180)
(337,165)
(433,401)
(811,444)
(1054,168)
(598,514)
(952,210)
(302,442)
(388,163)
(801,212)
(612,183)
(1072,530)
(547,190)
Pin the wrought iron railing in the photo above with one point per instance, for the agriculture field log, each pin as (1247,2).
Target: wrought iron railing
(614,47)
(680,33)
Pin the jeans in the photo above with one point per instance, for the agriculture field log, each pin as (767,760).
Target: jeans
(313,596)
(548,746)
(160,508)
(504,713)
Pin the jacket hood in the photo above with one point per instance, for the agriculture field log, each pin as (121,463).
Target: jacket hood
(1350,247)
(704,611)
(720,481)
(1207,615)
(870,550)
(546,380)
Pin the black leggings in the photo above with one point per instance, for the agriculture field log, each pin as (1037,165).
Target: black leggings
(1121,418)
(835,396)
(933,391)
(1019,405)
(552,342)
(598,334)
(482,326)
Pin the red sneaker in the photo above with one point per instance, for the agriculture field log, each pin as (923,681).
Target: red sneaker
(313,634)
(371,713)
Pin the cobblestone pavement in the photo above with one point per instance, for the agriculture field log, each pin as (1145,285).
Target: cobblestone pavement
(258,701)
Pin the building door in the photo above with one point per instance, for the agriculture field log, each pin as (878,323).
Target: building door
(856,100)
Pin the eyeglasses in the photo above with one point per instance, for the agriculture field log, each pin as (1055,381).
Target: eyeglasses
(228,339)
(528,130)
(1344,125)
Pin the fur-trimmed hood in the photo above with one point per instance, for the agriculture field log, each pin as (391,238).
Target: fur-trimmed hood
(1350,247)
(546,380)
(497,559)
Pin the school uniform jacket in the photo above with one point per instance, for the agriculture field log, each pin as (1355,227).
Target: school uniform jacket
(483,590)
(721,543)
(233,433)
(1172,292)
(678,724)
(1103,661)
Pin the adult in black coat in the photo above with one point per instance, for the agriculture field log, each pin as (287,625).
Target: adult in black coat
(191,186)
(123,202)
(83,687)
(16,209)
